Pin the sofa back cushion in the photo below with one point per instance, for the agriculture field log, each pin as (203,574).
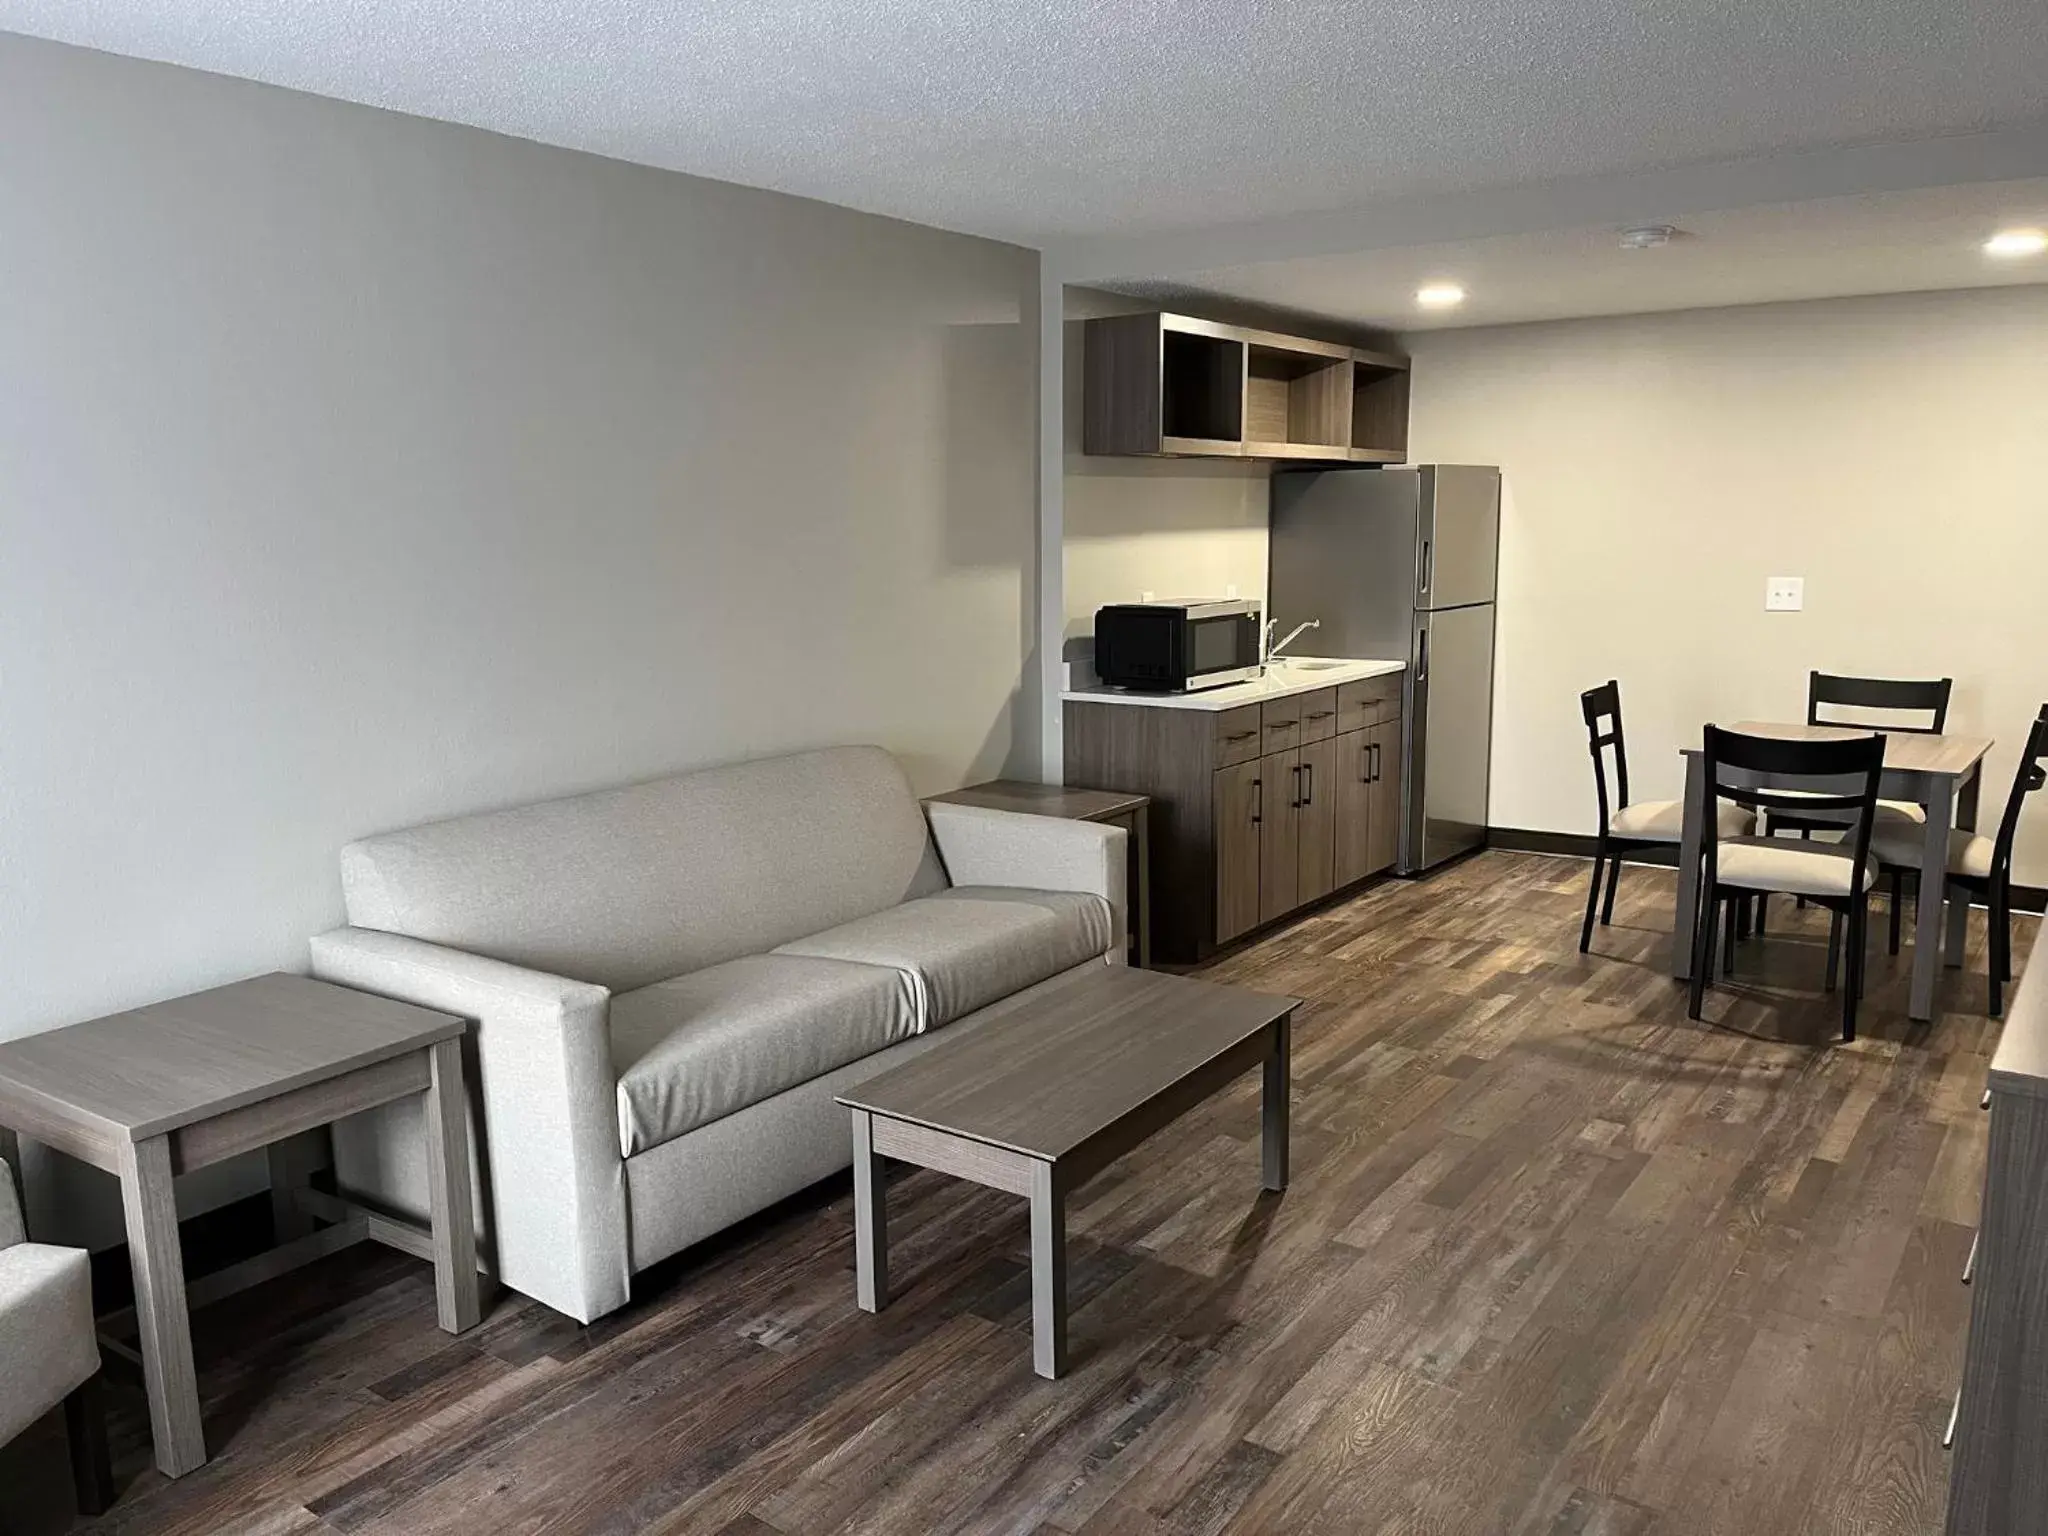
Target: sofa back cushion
(631,886)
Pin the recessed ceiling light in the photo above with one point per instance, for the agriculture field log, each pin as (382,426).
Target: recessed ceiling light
(1439,295)
(2017,242)
(1648,237)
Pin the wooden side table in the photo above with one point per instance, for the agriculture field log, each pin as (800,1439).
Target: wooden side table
(175,1086)
(1131,812)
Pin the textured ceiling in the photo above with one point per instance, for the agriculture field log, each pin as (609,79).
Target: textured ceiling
(1042,120)
(1890,243)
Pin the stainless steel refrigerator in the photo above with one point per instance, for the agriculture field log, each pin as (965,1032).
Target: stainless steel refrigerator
(1400,563)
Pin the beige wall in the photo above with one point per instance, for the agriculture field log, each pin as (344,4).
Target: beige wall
(357,469)
(1893,451)
(1174,527)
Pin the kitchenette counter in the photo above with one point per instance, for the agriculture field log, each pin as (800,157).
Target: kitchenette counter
(1286,677)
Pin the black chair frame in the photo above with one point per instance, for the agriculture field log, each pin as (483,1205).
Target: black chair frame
(1830,691)
(1850,759)
(1602,709)
(1996,887)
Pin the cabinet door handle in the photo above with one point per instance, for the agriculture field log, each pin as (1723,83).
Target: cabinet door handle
(1309,795)
(1281,725)
(1375,762)
(1321,714)
(1240,736)
(1258,800)
(1295,803)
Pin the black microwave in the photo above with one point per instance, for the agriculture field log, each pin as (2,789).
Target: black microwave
(1173,647)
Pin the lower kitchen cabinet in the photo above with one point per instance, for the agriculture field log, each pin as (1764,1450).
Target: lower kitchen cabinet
(1315,872)
(1257,811)
(1237,790)
(1279,833)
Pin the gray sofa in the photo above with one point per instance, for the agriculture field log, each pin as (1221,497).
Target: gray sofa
(670,981)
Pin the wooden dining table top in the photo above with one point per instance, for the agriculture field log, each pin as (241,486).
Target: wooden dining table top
(1904,751)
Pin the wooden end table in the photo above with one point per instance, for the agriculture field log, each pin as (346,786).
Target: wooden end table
(1129,811)
(1043,1094)
(163,1090)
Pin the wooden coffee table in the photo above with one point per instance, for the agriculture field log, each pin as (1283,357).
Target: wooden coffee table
(163,1090)
(1041,1096)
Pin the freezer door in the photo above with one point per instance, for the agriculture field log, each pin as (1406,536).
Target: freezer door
(1342,550)
(1457,548)
(1450,736)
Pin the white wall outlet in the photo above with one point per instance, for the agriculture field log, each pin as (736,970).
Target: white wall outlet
(1784,594)
(1144,597)
(1230,590)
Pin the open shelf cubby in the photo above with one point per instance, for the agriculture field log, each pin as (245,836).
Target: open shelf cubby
(1379,408)
(1165,385)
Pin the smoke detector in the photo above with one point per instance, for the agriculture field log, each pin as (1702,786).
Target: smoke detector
(1647,237)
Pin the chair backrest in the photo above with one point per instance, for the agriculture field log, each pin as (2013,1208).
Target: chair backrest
(2030,777)
(1839,776)
(1602,708)
(1851,701)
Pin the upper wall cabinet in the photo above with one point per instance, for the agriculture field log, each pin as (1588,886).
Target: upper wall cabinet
(1159,384)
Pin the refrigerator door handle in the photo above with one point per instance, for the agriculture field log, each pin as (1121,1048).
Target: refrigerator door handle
(1422,657)
(1426,564)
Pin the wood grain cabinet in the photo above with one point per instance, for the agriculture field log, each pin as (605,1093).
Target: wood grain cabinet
(1257,811)
(1166,385)
(1998,1477)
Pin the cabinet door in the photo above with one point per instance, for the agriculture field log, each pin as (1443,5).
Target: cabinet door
(1386,795)
(1352,795)
(1279,833)
(1236,800)
(1316,874)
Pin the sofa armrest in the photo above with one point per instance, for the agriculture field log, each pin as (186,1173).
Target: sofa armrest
(980,846)
(546,1098)
(12,1228)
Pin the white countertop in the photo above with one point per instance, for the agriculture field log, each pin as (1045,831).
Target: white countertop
(1288,676)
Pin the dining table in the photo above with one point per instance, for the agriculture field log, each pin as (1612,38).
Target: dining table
(1940,772)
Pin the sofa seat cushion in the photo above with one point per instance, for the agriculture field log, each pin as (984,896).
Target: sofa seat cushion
(700,1047)
(970,946)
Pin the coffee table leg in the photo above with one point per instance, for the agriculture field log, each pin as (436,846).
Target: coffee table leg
(870,1218)
(456,1297)
(159,1264)
(1048,1270)
(1273,1118)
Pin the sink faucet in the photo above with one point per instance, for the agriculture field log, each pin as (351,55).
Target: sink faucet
(1273,651)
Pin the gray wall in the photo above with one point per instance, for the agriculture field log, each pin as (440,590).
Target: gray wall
(357,469)
(1658,468)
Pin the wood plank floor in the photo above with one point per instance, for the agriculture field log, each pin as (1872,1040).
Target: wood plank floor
(1555,1260)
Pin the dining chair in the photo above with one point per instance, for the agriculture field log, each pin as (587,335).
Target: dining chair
(1841,779)
(1853,701)
(1627,826)
(1977,865)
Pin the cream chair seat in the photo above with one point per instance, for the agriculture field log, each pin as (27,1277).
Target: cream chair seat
(1969,853)
(1795,868)
(1663,821)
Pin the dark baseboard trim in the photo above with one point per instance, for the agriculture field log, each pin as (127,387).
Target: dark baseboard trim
(1580,845)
